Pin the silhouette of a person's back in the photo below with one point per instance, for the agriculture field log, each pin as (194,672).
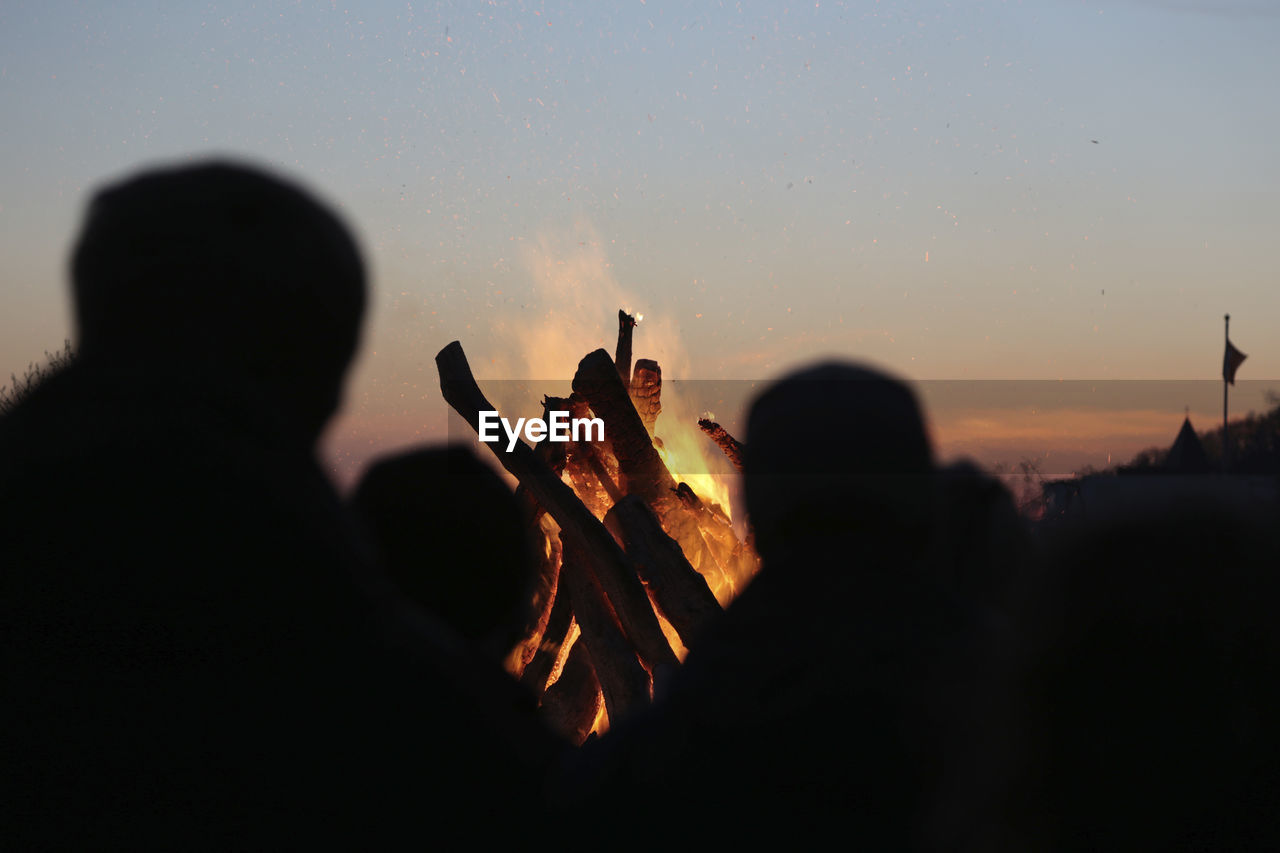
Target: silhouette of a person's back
(814,705)
(450,535)
(1150,688)
(196,652)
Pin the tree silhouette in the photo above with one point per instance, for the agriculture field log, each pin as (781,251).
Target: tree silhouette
(11,396)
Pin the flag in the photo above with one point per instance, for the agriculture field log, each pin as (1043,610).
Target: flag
(1230,361)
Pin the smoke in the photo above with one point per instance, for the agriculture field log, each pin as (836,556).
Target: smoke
(573,309)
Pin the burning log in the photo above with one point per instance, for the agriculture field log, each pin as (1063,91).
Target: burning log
(547,548)
(737,562)
(646,392)
(550,634)
(622,355)
(731,446)
(596,465)
(680,592)
(551,452)
(737,559)
(638,460)
(578,526)
(717,529)
(542,601)
(623,680)
(572,704)
(582,460)
(568,457)
(598,382)
(554,453)
(585,483)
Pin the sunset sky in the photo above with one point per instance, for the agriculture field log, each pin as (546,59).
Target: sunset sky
(953,191)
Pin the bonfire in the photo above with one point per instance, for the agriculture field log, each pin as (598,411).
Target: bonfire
(633,563)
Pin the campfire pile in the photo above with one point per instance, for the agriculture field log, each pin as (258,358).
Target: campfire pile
(633,563)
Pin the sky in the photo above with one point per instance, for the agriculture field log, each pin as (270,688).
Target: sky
(1044,190)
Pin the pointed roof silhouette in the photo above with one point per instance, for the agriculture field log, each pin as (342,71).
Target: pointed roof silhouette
(1187,455)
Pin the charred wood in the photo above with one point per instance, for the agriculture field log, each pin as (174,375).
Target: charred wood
(578,526)
(622,354)
(681,522)
(646,392)
(645,473)
(585,483)
(597,467)
(551,632)
(736,557)
(542,594)
(717,528)
(551,452)
(572,704)
(546,547)
(638,460)
(731,447)
(587,470)
(679,591)
(623,681)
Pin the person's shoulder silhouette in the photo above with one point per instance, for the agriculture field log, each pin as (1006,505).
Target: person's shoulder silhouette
(1150,682)
(450,534)
(816,704)
(195,648)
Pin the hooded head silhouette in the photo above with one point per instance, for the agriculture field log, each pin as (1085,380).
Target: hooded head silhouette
(832,451)
(221,270)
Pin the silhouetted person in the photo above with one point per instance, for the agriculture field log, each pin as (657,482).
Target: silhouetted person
(1151,688)
(824,700)
(196,652)
(985,546)
(449,533)
(838,463)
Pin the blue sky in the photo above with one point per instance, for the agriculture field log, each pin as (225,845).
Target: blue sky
(915,185)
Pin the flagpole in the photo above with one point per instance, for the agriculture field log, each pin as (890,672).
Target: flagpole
(1226,333)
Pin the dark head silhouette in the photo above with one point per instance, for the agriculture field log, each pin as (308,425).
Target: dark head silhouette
(831,696)
(221,269)
(449,533)
(834,449)
(987,546)
(197,649)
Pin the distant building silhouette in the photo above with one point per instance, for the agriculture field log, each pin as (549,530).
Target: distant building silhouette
(1154,480)
(1187,455)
